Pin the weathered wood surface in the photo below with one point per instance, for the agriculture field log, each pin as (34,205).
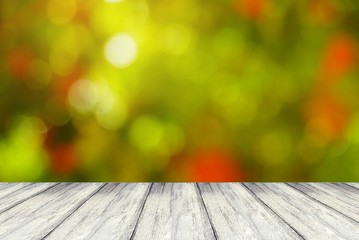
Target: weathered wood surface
(13,196)
(113,212)
(6,188)
(174,211)
(342,198)
(39,215)
(356,185)
(310,218)
(237,214)
(179,211)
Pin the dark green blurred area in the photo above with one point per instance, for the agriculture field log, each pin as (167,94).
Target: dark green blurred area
(181,90)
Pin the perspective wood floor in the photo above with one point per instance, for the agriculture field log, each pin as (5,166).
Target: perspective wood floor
(179,211)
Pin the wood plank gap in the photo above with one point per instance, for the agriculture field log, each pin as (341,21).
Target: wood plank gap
(320,202)
(344,187)
(139,216)
(75,209)
(28,184)
(205,208)
(350,185)
(262,202)
(25,199)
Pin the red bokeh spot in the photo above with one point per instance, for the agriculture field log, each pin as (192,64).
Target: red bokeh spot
(62,159)
(214,166)
(327,117)
(339,58)
(251,9)
(18,61)
(62,154)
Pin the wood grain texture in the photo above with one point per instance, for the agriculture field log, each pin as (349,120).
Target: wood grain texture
(312,219)
(111,212)
(21,194)
(37,216)
(6,188)
(344,200)
(179,211)
(237,214)
(174,211)
(356,185)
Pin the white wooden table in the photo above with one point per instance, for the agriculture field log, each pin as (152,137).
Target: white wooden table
(179,211)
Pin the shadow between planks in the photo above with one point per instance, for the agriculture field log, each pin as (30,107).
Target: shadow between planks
(179,211)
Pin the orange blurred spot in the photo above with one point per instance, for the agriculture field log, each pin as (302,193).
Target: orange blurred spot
(19,62)
(62,84)
(60,150)
(339,57)
(81,15)
(214,166)
(62,159)
(321,11)
(251,9)
(327,117)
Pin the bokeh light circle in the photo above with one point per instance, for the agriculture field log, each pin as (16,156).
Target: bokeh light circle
(121,50)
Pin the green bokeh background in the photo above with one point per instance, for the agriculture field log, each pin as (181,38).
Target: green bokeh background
(219,90)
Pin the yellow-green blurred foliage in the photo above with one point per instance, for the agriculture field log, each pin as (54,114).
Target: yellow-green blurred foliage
(179,90)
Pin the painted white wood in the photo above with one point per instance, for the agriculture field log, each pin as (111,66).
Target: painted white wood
(111,213)
(34,218)
(345,202)
(353,184)
(312,219)
(345,189)
(237,214)
(22,194)
(6,188)
(179,211)
(174,211)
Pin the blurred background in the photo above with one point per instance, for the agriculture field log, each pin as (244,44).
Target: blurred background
(180,90)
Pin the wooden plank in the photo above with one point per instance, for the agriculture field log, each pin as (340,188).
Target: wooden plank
(22,194)
(356,185)
(111,213)
(345,202)
(34,218)
(237,214)
(179,211)
(346,189)
(6,188)
(310,218)
(174,211)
